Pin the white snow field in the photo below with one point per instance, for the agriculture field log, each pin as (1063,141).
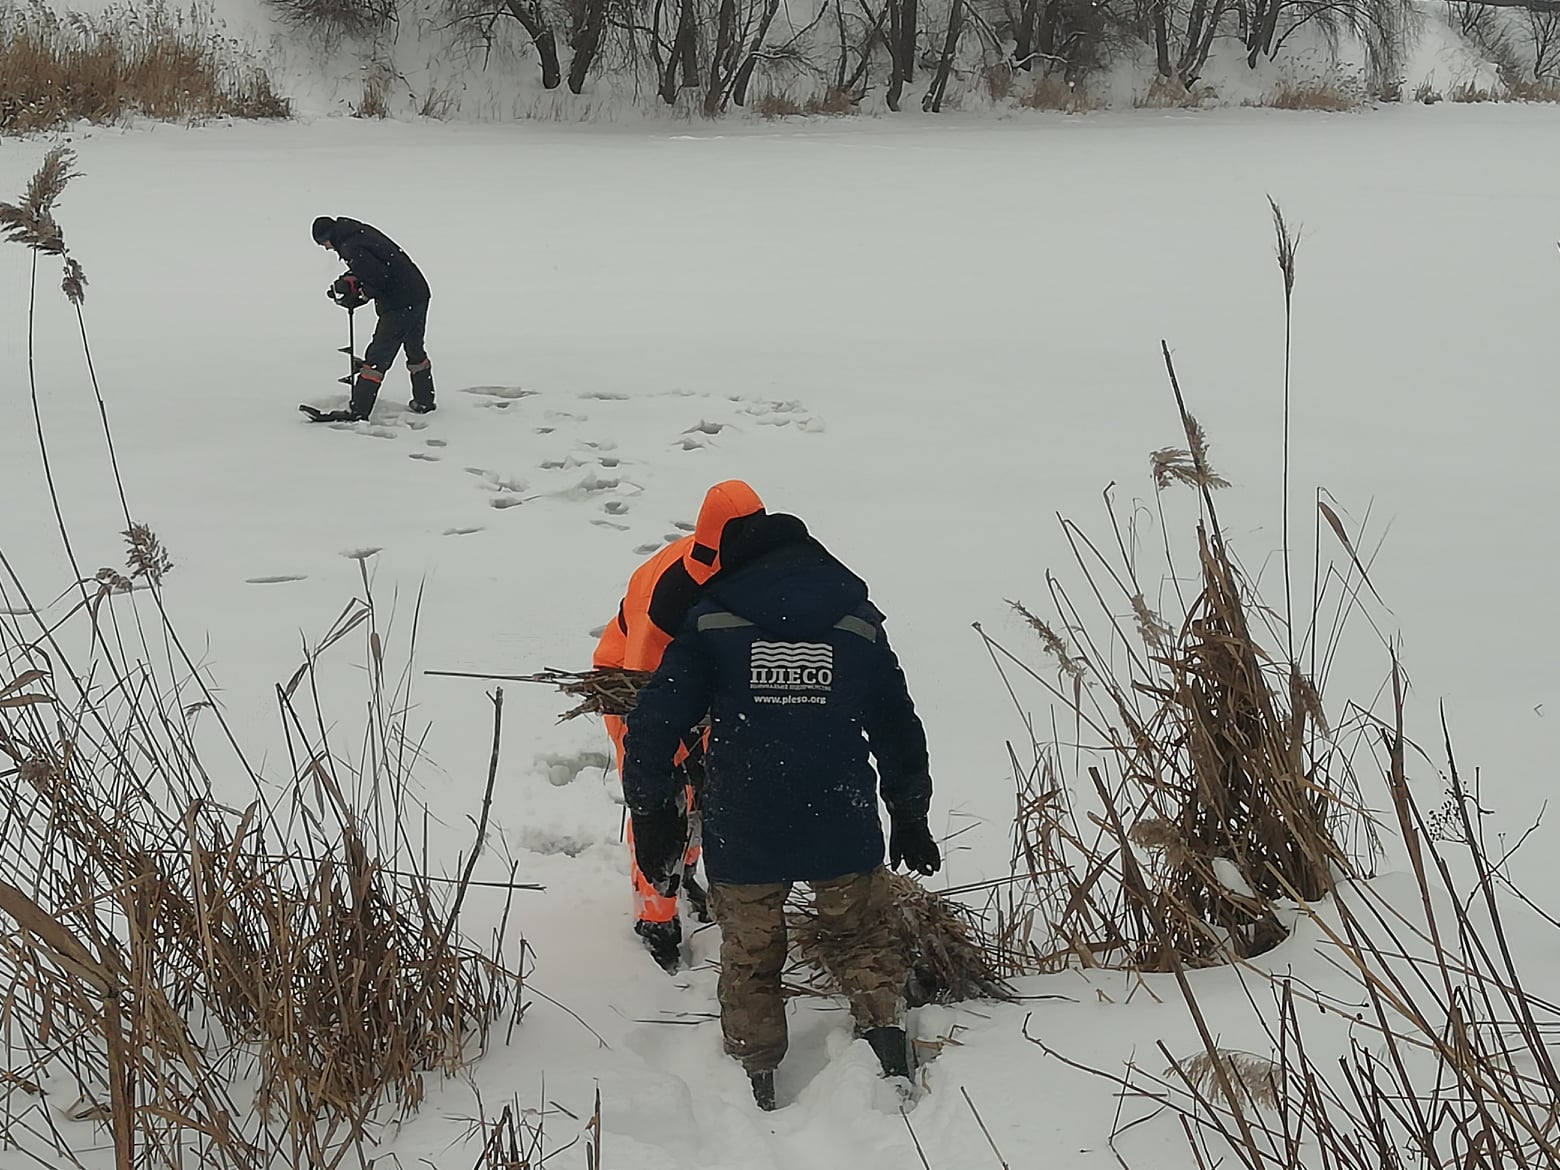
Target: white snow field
(926,339)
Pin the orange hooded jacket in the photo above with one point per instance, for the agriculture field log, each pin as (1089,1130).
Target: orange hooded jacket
(660,593)
(663,589)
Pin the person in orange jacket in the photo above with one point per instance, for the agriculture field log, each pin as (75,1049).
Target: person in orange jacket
(659,595)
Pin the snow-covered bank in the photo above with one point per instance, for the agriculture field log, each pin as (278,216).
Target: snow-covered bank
(925,341)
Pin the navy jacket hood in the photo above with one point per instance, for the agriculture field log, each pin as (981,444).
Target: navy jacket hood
(782,580)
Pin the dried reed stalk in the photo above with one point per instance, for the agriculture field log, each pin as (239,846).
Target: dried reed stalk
(603,690)
(948,957)
(1228,778)
(166,943)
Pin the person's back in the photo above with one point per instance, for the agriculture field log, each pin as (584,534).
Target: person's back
(387,273)
(802,669)
(789,658)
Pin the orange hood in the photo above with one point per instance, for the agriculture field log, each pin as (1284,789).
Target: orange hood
(723,503)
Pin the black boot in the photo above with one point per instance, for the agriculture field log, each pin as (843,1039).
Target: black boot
(365,391)
(664,942)
(422,387)
(763,1089)
(698,897)
(893,1052)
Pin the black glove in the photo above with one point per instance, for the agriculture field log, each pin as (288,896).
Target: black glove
(346,292)
(660,838)
(910,841)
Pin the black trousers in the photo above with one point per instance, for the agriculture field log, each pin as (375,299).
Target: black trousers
(397,329)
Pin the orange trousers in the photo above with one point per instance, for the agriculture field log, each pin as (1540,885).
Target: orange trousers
(650,906)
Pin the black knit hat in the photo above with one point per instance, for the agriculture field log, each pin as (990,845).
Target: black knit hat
(324,229)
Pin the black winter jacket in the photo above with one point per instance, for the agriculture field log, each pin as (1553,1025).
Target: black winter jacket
(385,273)
(790,660)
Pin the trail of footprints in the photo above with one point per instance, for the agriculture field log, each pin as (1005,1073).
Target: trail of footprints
(573,466)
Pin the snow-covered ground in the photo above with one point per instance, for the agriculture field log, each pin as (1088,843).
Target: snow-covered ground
(926,339)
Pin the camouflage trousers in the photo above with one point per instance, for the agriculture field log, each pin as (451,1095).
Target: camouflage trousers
(853,919)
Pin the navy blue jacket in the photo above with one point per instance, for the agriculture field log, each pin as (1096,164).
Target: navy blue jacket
(790,661)
(385,273)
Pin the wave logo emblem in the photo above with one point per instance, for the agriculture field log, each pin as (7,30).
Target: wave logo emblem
(791,666)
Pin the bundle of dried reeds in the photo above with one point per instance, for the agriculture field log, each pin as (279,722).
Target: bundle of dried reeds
(948,956)
(603,690)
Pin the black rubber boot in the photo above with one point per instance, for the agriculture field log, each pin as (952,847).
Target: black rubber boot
(664,942)
(893,1052)
(422,387)
(365,391)
(698,897)
(763,1089)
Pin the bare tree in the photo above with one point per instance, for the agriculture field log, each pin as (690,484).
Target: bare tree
(534,20)
(585,33)
(932,102)
(682,64)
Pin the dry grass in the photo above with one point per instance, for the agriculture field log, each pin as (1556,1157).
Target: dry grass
(439,104)
(949,957)
(159,62)
(1326,96)
(1167,93)
(1469,93)
(295,943)
(1222,793)
(1232,790)
(518,1138)
(998,80)
(831,102)
(1533,90)
(1052,93)
(773,105)
(374,102)
(605,690)
(1387,90)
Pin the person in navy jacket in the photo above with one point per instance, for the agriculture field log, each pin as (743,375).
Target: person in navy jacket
(789,659)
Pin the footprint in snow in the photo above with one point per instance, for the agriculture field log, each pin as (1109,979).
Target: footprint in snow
(462,531)
(599,523)
(614,507)
(505,501)
(683,525)
(565,769)
(550,844)
(436,442)
(702,427)
(605,395)
(644,550)
(507,393)
(423,457)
